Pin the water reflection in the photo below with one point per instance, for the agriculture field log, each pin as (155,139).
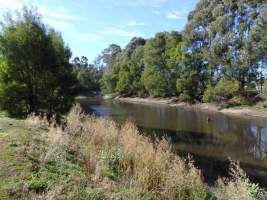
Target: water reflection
(243,139)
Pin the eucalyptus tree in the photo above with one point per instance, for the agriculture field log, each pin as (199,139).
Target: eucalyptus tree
(108,61)
(155,74)
(221,33)
(161,63)
(88,75)
(131,68)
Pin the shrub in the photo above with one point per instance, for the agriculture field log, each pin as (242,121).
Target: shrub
(188,85)
(185,97)
(235,188)
(257,192)
(209,94)
(12,99)
(226,89)
(155,84)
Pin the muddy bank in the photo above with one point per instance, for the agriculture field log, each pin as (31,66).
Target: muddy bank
(206,107)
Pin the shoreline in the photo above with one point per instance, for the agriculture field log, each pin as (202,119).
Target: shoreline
(244,111)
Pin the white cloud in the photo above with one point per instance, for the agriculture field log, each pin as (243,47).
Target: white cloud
(87,36)
(120,32)
(11,4)
(59,14)
(60,18)
(156,12)
(101,35)
(175,14)
(134,23)
(58,24)
(153,3)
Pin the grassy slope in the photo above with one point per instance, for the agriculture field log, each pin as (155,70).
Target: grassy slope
(99,161)
(12,133)
(21,177)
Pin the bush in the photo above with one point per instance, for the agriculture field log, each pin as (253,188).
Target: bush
(185,97)
(257,192)
(12,99)
(188,86)
(209,94)
(155,84)
(226,89)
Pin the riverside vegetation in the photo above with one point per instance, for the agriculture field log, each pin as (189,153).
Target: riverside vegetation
(94,158)
(220,56)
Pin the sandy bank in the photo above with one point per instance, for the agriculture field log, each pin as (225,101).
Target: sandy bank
(207,107)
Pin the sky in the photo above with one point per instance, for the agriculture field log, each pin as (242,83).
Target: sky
(89,26)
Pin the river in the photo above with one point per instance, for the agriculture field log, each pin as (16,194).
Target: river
(212,138)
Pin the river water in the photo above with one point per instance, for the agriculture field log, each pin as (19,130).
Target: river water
(211,142)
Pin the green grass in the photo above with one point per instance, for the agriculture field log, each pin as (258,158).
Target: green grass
(12,133)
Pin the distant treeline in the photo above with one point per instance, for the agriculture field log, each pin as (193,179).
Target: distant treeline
(221,53)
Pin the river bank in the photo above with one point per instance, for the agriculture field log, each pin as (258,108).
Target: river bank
(253,111)
(39,161)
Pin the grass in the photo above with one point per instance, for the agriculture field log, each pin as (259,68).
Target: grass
(11,164)
(94,158)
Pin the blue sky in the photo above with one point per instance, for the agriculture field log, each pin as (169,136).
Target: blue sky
(89,26)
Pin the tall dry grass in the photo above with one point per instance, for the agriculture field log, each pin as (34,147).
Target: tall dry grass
(135,160)
(116,156)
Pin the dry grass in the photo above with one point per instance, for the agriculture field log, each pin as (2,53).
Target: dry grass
(236,188)
(116,157)
(139,162)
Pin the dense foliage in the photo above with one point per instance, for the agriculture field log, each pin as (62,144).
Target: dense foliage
(35,74)
(220,54)
(88,75)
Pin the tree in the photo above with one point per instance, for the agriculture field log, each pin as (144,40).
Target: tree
(221,33)
(35,73)
(200,66)
(132,46)
(223,41)
(108,60)
(156,73)
(175,58)
(88,75)
(258,40)
(131,68)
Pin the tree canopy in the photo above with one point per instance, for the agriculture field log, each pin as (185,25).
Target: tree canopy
(220,54)
(35,73)
(224,42)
